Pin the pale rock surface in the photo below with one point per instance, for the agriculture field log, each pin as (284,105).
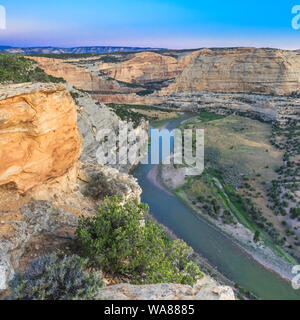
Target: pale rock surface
(93,117)
(204,289)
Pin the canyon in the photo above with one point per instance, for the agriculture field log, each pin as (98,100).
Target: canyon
(49,173)
(260,81)
(50,177)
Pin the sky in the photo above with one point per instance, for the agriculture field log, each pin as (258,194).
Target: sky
(177,24)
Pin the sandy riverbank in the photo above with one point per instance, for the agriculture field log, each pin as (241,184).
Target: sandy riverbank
(240,235)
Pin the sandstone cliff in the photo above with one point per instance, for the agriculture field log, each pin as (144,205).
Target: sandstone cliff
(78,77)
(44,186)
(149,78)
(144,67)
(39,136)
(246,70)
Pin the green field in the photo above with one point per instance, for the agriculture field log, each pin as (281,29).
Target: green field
(240,164)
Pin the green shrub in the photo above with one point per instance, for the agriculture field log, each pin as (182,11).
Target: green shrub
(256,236)
(53,278)
(122,239)
(18,69)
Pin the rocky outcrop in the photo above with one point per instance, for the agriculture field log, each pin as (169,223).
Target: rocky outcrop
(98,181)
(39,136)
(247,70)
(93,117)
(236,70)
(204,289)
(34,218)
(144,67)
(78,77)
(44,186)
(266,107)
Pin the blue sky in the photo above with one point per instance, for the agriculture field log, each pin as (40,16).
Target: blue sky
(155,23)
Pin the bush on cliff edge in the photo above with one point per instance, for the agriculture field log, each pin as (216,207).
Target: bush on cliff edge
(14,68)
(51,277)
(123,240)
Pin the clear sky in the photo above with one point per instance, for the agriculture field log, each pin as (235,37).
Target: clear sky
(154,23)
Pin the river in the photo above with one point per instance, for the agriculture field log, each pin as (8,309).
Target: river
(229,258)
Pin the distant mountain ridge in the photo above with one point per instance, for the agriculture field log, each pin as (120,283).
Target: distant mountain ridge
(74,50)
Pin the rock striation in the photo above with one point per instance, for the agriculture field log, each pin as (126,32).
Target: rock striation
(39,138)
(246,70)
(257,81)
(76,76)
(49,171)
(144,67)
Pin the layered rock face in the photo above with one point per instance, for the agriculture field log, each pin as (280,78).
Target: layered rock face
(78,77)
(245,70)
(94,117)
(149,78)
(144,67)
(39,136)
(44,186)
(266,107)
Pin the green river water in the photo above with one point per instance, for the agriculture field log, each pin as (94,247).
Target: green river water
(229,258)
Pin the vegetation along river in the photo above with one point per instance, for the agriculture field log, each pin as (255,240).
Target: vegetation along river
(229,258)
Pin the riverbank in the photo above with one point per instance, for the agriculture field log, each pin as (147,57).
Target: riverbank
(239,234)
(224,253)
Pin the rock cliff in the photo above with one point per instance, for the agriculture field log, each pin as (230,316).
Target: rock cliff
(39,136)
(240,79)
(40,143)
(246,70)
(78,77)
(144,67)
(44,186)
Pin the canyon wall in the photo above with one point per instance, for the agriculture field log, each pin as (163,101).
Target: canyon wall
(49,175)
(239,79)
(246,70)
(144,67)
(78,77)
(39,136)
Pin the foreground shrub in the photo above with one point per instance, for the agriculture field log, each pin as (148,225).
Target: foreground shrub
(53,278)
(123,240)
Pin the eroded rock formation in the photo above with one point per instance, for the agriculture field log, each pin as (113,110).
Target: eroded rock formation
(78,77)
(45,187)
(144,67)
(247,70)
(39,136)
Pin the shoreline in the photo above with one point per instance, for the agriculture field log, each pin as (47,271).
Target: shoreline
(262,257)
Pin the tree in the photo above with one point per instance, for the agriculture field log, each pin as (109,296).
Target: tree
(256,236)
(123,240)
